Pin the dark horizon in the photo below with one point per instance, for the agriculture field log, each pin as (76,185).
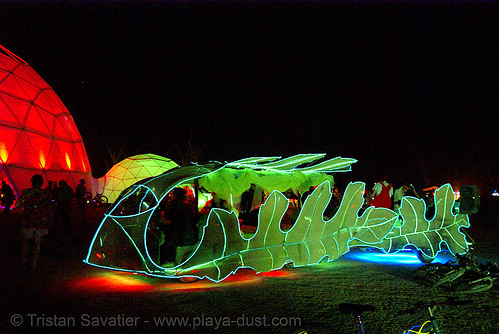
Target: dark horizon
(408,89)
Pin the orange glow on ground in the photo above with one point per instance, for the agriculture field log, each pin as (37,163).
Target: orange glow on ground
(281,273)
(122,282)
(112,282)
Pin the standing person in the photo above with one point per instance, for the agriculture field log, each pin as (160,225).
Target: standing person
(36,203)
(334,203)
(181,216)
(8,197)
(55,191)
(382,194)
(81,189)
(49,188)
(398,195)
(214,202)
(63,200)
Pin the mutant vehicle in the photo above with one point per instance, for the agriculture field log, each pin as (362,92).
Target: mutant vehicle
(207,221)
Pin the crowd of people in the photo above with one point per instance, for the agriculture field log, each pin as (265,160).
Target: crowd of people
(178,222)
(384,195)
(46,211)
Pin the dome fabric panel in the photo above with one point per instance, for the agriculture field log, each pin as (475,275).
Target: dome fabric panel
(37,133)
(131,170)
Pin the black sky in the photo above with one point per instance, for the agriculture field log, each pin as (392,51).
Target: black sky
(408,89)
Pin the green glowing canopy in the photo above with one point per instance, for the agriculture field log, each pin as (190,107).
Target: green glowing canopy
(272,174)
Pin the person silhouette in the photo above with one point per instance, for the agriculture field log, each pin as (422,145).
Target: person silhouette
(8,197)
(37,205)
(382,194)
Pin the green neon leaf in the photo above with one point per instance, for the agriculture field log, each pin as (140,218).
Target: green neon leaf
(223,249)
(429,236)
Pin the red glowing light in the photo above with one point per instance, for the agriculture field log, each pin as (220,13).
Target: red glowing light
(37,132)
(129,282)
(110,282)
(282,273)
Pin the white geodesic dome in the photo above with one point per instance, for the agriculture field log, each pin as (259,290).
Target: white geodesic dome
(131,170)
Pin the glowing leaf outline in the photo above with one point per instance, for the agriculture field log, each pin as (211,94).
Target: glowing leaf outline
(428,236)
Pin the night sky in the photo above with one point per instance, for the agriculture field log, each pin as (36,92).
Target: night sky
(408,89)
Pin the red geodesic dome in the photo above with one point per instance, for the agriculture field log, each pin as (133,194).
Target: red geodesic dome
(37,132)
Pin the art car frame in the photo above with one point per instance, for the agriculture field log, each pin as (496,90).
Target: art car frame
(283,228)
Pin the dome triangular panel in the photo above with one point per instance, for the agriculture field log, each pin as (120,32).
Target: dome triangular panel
(11,84)
(22,73)
(7,116)
(3,74)
(29,89)
(60,130)
(18,108)
(7,143)
(23,154)
(42,102)
(36,123)
(8,64)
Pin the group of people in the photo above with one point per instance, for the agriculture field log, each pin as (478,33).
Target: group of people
(44,210)
(383,195)
(179,221)
(176,226)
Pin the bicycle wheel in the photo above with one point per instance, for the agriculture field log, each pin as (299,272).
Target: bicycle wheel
(103,199)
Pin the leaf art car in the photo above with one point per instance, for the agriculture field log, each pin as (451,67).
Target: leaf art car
(262,220)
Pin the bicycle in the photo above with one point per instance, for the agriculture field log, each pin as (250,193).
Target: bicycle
(465,275)
(98,201)
(430,326)
(475,279)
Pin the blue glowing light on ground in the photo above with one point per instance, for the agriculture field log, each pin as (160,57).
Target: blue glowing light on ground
(404,257)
